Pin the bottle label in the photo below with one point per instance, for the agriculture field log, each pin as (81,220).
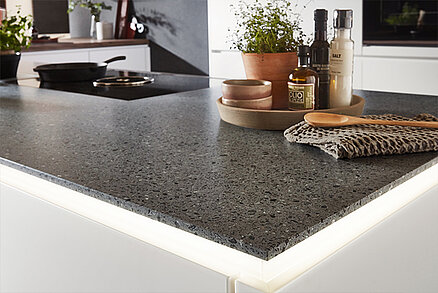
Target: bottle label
(341,62)
(301,96)
(320,67)
(323,72)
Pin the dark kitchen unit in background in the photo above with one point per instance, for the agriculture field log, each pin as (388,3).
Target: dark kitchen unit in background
(400,23)
(50,16)
(177,33)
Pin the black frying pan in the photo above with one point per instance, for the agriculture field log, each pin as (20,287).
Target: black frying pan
(76,71)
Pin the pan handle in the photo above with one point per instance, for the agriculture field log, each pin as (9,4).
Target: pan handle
(118,58)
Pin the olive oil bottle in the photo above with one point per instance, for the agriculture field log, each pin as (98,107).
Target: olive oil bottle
(303,83)
(320,56)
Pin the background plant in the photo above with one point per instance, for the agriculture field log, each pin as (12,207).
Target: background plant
(408,16)
(271,26)
(95,8)
(16,32)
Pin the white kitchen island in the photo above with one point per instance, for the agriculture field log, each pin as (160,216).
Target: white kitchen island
(64,241)
(59,234)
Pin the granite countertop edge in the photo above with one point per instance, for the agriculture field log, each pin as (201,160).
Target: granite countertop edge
(138,209)
(351,208)
(191,228)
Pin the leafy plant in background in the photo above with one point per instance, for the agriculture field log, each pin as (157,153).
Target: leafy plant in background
(16,32)
(95,8)
(269,27)
(408,16)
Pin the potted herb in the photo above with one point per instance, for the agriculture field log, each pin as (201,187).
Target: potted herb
(268,34)
(95,9)
(15,34)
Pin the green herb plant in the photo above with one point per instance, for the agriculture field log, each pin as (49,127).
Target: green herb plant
(95,8)
(16,32)
(408,16)
(271,26)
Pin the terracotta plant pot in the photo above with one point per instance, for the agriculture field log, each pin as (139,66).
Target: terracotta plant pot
(274,67)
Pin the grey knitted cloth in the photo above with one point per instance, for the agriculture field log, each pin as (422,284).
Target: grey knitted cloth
(368,140)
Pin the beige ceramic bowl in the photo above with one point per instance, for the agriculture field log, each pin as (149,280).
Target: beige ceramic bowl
(246,89)
(259,104)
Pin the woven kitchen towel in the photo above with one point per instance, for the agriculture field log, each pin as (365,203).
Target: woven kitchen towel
(368,140)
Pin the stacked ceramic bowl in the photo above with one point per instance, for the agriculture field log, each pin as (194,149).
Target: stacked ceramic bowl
(247,93)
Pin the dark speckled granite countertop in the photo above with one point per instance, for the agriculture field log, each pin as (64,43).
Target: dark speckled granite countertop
(171,158)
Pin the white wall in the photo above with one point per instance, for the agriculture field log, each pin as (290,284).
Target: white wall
(394,69)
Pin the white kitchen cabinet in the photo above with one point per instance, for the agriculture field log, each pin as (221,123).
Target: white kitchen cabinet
(45,248)
(224,62)
(415,76)
(221,22)
(357,73)
(137,57)
(243,288)
(227,64)
(398,255)
(29,60)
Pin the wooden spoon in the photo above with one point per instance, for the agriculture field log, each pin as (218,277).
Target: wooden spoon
(317,119)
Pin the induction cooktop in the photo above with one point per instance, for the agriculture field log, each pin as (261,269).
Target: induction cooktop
(161,84)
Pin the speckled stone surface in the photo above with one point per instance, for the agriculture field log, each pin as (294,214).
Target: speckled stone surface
(171,158)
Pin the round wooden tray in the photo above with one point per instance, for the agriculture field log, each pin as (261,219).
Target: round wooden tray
(279,119)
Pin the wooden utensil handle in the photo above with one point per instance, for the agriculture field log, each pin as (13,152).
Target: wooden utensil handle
(426,124)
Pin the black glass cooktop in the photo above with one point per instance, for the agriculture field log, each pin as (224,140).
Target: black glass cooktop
(163,83)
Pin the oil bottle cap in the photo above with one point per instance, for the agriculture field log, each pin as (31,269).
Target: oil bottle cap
(320,15)
(343,18)
(303,51)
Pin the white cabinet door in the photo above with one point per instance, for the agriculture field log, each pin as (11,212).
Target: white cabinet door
(243,288)
(416,76)
(221,22)
(31,59)
(137,57)
(44,248)
(398,255)
(223,62)
(226,64)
